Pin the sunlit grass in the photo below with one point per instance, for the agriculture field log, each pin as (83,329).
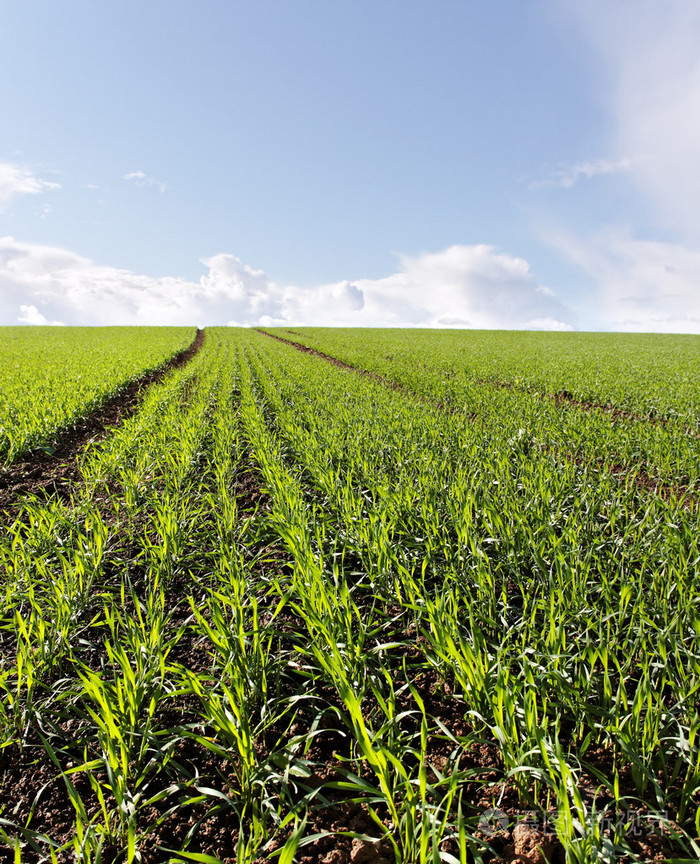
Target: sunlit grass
(283,593)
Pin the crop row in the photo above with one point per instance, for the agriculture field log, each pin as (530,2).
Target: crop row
(292,613)
(663,447)
(649,374)
(50,376)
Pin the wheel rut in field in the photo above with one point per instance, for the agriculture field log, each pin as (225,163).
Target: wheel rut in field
(566,399)
(641,478)
(562,398)
(40,471)
(328,357)
(358,370)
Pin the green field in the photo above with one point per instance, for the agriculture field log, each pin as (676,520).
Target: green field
(443,606)
(51,376)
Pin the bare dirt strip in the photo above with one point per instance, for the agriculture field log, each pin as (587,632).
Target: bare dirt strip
(51,472)
(562,399)
(330,359)
(639,476)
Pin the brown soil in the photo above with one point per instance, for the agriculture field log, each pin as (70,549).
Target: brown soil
(52,473)
(26,775)
(328,357)
(31,782)
(565,399)
(641,478)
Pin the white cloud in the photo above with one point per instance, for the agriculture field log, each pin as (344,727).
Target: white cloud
(142,179)
(548,324)
(68,287)
(474,286)
(647,59)
(31,315)
(564,177)
(15,181)
(643,285)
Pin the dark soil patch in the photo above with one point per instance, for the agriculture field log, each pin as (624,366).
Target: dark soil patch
(566,399)
(641,478)
(327,357)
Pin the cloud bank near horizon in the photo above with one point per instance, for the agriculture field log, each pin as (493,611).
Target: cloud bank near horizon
(462,286)
(643,285)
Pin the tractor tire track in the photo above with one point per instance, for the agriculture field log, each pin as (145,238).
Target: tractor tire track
(358,370)
(52,473)
(624,474)
(561,399)
(565,399)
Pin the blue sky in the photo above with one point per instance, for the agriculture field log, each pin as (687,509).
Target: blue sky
(485,164)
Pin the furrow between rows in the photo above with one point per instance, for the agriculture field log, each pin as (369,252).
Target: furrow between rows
(52,470)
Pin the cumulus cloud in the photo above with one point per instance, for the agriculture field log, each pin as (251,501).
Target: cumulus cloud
(336,304)
(142,179)
(16,181)
(68,287)
(566,176)
(462,286)
(31,315)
